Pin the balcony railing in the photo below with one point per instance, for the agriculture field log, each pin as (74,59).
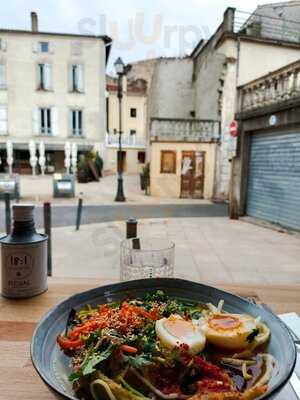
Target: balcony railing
(189,130)
(274,88)
(112,140)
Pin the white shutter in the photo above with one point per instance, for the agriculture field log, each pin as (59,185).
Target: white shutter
(2,76)
(80,83)
(70,122)
(3,119)
(35,47)
(3,45)
(48,76)
(36,123)
(51,47)
(54,121)
(70,78)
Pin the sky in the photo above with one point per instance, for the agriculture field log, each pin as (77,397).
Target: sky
(140,28)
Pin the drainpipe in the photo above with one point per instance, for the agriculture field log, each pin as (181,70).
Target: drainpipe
(234,177)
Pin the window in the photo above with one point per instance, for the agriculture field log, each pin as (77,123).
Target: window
(76,78)
(44,76)
(43,47)
(133,112)
(168,162)
(45,120)
(76,122)
(2,76)
(193,113)
(141,157)
(132,132)
(3,119)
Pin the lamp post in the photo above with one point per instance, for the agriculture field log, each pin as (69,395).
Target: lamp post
(121,71)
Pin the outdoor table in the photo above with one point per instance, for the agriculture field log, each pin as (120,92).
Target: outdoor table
(18,318)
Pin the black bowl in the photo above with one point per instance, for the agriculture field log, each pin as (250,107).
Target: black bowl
(53,366)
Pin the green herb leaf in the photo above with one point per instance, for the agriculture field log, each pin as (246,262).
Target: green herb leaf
(94,358)
(74,376)
(252,335)
(140,361)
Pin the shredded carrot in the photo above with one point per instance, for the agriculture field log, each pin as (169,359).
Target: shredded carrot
(123,318)
(129,349)
(66,343)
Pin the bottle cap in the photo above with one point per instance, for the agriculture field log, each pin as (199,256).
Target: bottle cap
(23,212)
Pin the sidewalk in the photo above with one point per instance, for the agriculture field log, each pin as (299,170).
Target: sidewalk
(212,250)
(39,189)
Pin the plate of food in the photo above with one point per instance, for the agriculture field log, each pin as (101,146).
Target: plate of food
(162,338)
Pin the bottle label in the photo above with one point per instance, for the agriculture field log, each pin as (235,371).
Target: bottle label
(24,269)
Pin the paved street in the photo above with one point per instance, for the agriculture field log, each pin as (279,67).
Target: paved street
(212,250)
(39,189)
(66,215)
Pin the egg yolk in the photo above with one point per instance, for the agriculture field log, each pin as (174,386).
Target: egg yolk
(178,327)
(224,322)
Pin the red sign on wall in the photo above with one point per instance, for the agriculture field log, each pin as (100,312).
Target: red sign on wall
(233,128)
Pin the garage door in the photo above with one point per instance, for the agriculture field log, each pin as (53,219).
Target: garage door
(274,178)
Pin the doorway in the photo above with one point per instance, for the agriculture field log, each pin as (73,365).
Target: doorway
(192,174)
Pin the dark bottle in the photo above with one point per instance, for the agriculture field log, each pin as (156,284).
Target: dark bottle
(23,256)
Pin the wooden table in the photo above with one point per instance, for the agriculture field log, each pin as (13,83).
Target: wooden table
(18,318)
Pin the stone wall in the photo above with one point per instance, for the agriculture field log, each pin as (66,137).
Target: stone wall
(171,92)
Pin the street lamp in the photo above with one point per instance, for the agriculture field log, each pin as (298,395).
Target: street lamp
(121,71)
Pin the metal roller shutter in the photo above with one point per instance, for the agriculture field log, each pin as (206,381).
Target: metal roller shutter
(274,178)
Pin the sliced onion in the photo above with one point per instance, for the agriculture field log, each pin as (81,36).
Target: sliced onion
(160,394)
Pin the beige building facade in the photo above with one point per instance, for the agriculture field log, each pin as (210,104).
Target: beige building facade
(134,143)
(52,90)
(193,174)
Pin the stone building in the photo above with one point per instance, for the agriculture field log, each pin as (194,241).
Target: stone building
(52,89)
(133,125)
(189,97)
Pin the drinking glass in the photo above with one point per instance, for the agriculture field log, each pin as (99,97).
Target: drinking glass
(146,258)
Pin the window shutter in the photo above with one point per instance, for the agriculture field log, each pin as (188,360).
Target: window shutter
(51,47)
(82,123)
(80,83)
(70,122)
(35,47)
(3,119)
(36,121)
(70,85)
(48,76)
(3,45)
(2,76)
(54,121)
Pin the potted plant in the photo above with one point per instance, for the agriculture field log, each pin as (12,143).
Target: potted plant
(99,164)
(145,177)
(82,170)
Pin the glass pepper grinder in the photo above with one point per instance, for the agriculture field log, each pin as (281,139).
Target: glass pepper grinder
(23,256)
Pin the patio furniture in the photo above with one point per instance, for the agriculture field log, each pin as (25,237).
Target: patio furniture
(18,318)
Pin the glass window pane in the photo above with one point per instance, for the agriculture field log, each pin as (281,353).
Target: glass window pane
(44,47)
(80,120)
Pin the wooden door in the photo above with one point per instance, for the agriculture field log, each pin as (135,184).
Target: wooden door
(192,174)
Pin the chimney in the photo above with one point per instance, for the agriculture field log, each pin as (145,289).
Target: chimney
(34,22)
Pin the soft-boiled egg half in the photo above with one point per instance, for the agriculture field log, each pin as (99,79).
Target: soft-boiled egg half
(175,330)
(229,331)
